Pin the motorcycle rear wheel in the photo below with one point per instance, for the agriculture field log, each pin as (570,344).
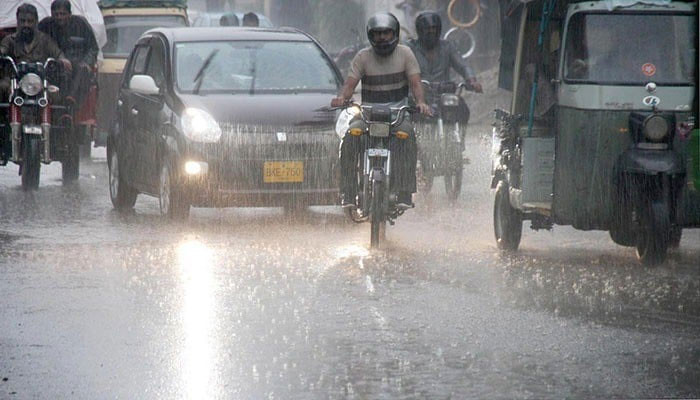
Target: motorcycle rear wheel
(31,162)
(70,166)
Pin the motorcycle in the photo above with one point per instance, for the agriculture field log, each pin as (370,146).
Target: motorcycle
(440,137)
(375,202)
(39,131)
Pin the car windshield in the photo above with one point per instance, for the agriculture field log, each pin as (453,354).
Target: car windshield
(124,31)
(253,67)
(631,49)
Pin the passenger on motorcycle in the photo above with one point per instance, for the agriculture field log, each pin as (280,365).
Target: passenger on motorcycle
(75,38)
(386,70)
(27,45)
(436,57)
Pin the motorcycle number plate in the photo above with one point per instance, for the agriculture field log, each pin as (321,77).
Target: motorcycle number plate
(379,130)
(378,152)
(31,129)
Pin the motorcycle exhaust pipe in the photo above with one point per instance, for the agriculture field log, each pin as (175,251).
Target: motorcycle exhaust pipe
(45,129)
(15,129)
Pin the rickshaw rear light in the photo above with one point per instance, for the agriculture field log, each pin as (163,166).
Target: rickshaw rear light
(655,128)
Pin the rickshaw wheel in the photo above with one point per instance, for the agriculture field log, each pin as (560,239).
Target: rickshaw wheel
(675,240)
(654,235)
(622,236)
(507,221)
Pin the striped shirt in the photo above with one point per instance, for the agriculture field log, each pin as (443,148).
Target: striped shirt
(384,78)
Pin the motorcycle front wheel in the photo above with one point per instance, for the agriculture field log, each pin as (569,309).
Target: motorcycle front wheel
(453,184)
(378,222)
(31,161)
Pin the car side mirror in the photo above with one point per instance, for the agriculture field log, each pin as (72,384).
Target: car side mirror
(144,84)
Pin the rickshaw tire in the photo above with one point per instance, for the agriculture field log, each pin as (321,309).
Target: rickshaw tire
(655,234)
(623,237)
(674,241)
(31,162)
(508,221)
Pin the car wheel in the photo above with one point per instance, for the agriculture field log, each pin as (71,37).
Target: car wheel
(122,195)
(171,200)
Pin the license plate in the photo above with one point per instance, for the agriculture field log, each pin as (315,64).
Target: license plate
(32,129)
(379,130)
(283,171)
(378,152)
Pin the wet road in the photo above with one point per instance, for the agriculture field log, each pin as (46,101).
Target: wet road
(258,304)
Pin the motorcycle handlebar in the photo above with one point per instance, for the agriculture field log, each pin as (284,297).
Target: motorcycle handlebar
(399,110)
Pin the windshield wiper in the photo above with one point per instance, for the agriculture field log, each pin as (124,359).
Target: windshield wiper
(199,77)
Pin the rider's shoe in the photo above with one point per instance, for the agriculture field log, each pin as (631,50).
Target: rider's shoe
(405,201)
(346,201)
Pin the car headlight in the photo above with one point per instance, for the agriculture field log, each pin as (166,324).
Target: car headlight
(655,128)
(31,84)
(199,126)
(450,100)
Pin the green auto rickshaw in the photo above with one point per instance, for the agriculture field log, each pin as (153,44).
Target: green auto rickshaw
(599,128)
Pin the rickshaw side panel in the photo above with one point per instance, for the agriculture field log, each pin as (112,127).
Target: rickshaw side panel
(587,146)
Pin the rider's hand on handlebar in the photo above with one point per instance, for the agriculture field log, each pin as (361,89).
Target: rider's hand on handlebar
(67,65)
(338,102)
(475,85)
(424,109)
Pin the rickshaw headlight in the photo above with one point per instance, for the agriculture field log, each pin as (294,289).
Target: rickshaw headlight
(655,128)
(31,84)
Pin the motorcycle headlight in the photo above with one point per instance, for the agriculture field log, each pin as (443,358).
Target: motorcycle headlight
(450,100)
(655,128)
(199,126)
(31,84)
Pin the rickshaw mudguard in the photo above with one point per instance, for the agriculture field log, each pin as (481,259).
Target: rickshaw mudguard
(651,162)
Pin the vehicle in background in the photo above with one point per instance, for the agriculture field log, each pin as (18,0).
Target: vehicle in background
(598,133)
(212,117)
(204,19)
(125,22)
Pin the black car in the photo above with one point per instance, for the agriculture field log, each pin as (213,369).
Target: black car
(218,117)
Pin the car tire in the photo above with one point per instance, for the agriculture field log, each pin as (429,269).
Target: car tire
(122,195)
(172,201)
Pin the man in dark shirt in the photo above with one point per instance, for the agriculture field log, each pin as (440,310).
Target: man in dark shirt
(75,38)
(28,45)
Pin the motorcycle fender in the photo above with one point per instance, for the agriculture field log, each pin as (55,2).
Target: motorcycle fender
(651,162)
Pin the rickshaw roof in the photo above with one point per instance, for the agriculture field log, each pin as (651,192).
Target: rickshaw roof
(142,3)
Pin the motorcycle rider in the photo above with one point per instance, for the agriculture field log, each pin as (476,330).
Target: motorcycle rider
(386,70)
(436,56)
(75,38)
(28,45)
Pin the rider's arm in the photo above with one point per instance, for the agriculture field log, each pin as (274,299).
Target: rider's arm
(346,92)
(463,68)
(92,49)
(417,90)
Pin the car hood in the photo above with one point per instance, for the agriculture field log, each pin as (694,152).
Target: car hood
(265,109)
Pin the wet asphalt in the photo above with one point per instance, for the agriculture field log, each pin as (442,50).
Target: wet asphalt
(267,304)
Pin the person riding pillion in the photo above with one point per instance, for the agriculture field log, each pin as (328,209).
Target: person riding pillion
(436,56)
(76,39)
(386,70)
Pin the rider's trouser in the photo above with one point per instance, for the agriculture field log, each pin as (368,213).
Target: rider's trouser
(403,158)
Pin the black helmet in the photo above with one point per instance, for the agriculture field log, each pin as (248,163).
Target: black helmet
(425,21)
(383,22)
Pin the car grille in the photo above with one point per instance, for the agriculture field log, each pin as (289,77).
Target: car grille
(241,165)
